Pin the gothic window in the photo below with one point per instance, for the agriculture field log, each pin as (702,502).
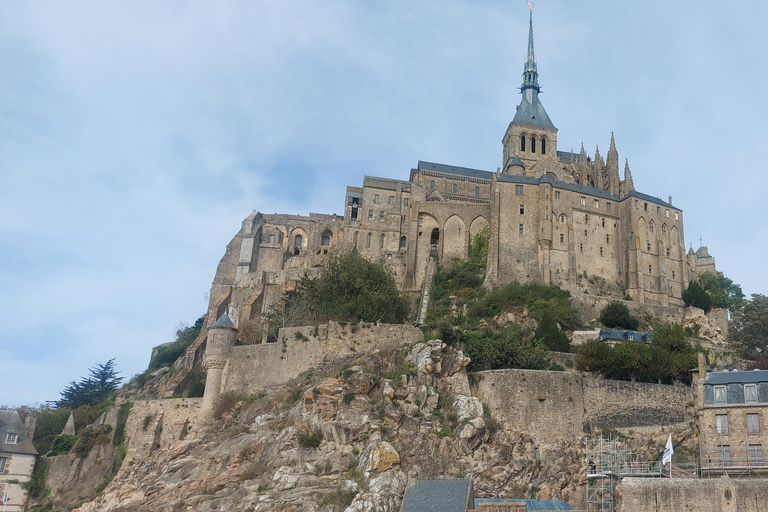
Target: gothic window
(434,238)
(297,241)
(325,241)
(650,227)
(381,241)
(522,209)
(403,242)
(562,218)
(477,191)
(432,185)
(543,146)
(522,143)
(455,188)
(533,144)
(368,243)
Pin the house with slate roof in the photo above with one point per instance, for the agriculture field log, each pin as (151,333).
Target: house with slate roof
(17,460)
(553,217)
(733,422)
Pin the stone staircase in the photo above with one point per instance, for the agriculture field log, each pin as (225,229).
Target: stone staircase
(427,286)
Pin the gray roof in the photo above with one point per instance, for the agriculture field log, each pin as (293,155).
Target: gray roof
(452,169)
(529,504)
(383,183)
(530,111)
(223,322)
(737,377)
(10,423)
(650,199)
(437,496)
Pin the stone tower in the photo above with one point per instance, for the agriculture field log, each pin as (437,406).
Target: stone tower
(221,338)
(531,136)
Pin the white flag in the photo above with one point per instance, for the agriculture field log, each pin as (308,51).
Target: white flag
(668,451)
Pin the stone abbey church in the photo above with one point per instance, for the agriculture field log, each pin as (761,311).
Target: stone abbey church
(554,217)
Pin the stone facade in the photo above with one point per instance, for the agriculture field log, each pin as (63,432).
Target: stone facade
(554,217)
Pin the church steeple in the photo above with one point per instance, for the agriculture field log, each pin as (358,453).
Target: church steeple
(530,75)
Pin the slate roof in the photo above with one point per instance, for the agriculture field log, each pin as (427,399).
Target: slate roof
(530,504)
(530,111)
(737,377)
(224,322)
(621,335)
(10,423)
(437,496)
(453,169)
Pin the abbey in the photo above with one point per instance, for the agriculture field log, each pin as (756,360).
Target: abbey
(553,217)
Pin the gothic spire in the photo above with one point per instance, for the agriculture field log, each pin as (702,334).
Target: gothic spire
(530,75)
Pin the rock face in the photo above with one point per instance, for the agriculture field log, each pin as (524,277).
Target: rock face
(347,441)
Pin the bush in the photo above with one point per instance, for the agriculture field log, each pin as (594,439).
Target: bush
(50,423)
(310,437)
(490,350)
(551,335)
(617,315)
(166,355)
(594,356)
(35,486)
(696,296)
(62,445)
(348,397)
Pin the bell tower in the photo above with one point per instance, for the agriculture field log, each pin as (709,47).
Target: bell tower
(531,136)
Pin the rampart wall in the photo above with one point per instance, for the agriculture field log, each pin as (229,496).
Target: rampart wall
(692,495)
(556,406)
(252,368)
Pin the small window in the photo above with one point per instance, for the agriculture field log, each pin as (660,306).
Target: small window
(596,203)
(297,241)
(562,238)
(586,219)
(11,438)
(522,209)
(645,207)
(403,242)
(673,274)
(724,454)
(376,198)
(677,216)
(391,199)
(583,201)
(405,201)
(434,238)
(522,143)
(585,234)
(755,455)
(581,247)
(607,239)
(325,241)
(667,252)
(750,393)
(557,194)
(601,251)
(3,462)
(664,230)
(533,144)
(637,204)
(477,191)
(603,222)
(648,246)
(753,423)
(519,190)
(650,227)
(370,214)
(432,185)
(562,219)
(650,269)
(381,215)
(666,213)
(520,229)
(543,146)
(271,239)
(455,188)
(356,237)
(658,210)
(720,397)
(721,424)
(368,242)
(381,241)
(607,207)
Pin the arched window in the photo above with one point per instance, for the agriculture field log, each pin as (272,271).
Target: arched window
(434,239)
(533,144)
(563,218)
(455,188)
(368,243)
(403,242)
(432,185)
(664,230)
(271,239)
(381,241)
(477,191)
(297,241)
(522,143)
(650,227)
(543,146)
(325,241)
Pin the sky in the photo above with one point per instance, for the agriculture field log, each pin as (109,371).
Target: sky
(135,136)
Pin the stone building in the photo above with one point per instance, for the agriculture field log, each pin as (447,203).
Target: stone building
(732,422)
(554,217)
(17,460)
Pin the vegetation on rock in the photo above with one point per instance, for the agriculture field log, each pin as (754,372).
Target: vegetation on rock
(713,291)
(616,315)
(166,355)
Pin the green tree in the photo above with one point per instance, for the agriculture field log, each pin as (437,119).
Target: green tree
(490,350)
(724,293)
(101,382)
(348,289)
(478,248)
(696,296)
(550,334)
(631,361)
(748,329)
(594,356)
(617,315)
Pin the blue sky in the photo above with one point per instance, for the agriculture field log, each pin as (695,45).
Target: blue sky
(135,137)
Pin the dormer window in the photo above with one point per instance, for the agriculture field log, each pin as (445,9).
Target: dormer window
(750,393)
(11,438)
(720,395)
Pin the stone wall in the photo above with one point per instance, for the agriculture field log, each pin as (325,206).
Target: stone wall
(705,495)
(590,306)
(555,406)
(252,368)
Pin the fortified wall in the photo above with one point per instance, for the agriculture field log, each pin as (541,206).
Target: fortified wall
(557,406)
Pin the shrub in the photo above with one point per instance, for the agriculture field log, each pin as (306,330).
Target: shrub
(166,355)
(617,315)
(35,486)
(551,335)
(294,395)
(310,437)
(62,445)
(489,350)
(696,296)
(224,404)
(348,397)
